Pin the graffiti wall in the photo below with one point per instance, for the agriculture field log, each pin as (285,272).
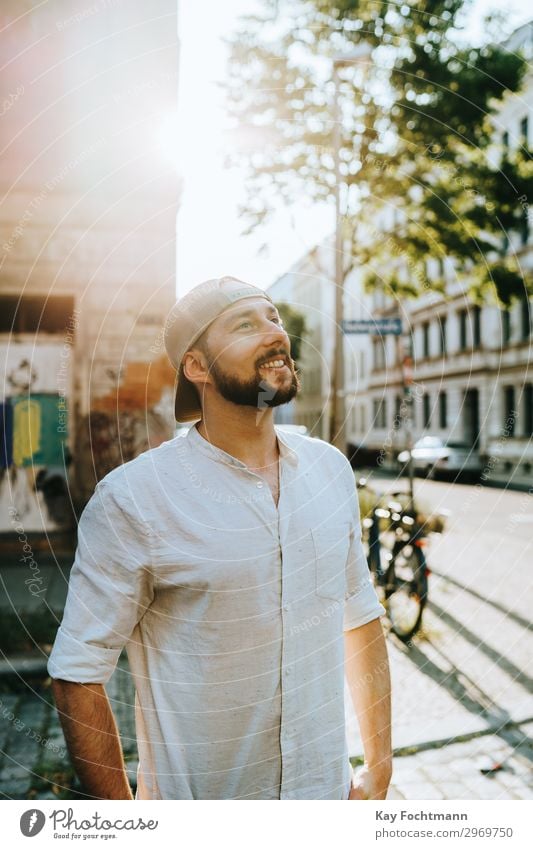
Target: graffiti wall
(34,428)
(130,411)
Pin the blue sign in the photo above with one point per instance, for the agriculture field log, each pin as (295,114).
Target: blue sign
(375,326)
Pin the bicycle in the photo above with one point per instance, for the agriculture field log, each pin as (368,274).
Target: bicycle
(395,542)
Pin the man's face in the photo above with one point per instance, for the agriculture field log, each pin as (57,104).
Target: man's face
(248,352)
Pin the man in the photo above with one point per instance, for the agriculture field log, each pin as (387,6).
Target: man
(227,562)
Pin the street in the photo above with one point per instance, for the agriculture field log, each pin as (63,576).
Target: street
(469,670)
(462,701)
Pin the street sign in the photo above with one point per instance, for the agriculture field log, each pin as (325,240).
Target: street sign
(376,326)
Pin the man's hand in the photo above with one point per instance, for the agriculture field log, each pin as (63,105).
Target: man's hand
(367,673)
(370,783)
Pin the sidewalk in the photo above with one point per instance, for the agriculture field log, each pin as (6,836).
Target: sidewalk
(455,771)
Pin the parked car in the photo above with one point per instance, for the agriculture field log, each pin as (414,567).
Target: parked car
(463,460)
(434,457)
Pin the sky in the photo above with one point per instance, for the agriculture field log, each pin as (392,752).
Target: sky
(209,233)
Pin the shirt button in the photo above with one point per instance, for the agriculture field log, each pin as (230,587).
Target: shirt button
(260,485)
(287,670)
(286,607)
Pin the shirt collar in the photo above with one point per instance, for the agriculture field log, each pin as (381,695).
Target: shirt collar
(197,441)
(286,451)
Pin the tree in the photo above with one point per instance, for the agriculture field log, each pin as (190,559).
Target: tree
(417,144)
(294,324)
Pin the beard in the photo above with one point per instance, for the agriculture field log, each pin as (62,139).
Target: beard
(256,392)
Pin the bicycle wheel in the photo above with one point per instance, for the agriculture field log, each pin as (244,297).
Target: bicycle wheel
(406,590)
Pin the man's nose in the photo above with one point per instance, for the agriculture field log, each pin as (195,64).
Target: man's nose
(274,334)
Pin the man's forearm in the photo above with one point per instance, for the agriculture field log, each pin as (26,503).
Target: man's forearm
(367,672)
(92,738)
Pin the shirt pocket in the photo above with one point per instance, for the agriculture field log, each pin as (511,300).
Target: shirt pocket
(332,545)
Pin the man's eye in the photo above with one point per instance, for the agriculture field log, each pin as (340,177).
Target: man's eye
(244,323)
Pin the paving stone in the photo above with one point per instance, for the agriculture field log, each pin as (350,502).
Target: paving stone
(14,772)
(404,771)
(487,788)
(16,789)
(420,790)
(458,790)
(435,772)
(7,703)
(522,769)
(8,710)
(462,766)
(510,781)
(394,793)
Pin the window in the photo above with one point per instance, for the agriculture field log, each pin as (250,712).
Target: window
(443,338)
(380,412)
(443,410)
(509,410)
(426,402)
(525,317)
(505,142)
(463,318)
(528,409)
(425,339)
(398,412)
(363,419)
(378,352)
(36,313)
(476,327)
(506,326)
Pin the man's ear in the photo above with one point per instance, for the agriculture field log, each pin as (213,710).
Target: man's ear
(196,367)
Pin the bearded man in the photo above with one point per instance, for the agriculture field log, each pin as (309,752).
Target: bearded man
(229,565)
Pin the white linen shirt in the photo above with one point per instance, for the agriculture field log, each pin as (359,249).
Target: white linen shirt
(232,613)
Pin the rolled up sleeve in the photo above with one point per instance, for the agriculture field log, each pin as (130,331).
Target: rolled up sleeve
(361,602)
(110,588)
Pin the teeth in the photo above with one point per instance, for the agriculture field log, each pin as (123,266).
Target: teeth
(274,364)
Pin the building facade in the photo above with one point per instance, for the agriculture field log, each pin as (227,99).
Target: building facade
(472,365)
(308,288)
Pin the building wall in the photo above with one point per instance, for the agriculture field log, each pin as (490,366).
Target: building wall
(89,212)
(309,288)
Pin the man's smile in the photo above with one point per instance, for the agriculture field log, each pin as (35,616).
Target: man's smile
(274,366)
(276,363)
